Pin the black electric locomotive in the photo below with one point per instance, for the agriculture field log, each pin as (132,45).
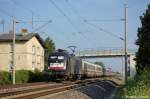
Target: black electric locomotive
(64,66)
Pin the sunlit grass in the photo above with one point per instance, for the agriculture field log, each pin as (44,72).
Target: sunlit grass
(139,87)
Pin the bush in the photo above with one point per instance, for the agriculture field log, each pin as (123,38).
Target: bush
(5,78)
(138,87)
(37,76)
(22,76)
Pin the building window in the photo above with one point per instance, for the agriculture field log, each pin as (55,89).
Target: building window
(33,49)
(19,58)
(38,50)
(33,65)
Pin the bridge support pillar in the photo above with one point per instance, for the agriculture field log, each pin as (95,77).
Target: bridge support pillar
(131,65)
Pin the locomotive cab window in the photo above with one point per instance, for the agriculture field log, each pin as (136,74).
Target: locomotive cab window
(61,57)
(56,59)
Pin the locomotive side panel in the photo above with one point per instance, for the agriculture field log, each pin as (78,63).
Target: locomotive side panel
(73,67)
(69,70)
(78,67)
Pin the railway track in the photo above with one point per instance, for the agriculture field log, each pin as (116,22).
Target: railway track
(100,89)
(9,88)
(29,91)
(44,89)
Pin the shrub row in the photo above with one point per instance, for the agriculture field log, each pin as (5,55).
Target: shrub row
(139,87)
(23,76)
(5,78)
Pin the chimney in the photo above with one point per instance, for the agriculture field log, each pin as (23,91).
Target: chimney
(24,32)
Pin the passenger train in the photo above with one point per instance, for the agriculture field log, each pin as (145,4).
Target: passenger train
(66,66)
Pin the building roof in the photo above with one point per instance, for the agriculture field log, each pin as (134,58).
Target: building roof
(20,37)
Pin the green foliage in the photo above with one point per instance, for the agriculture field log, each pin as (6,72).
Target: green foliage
(22,76)
(46,67)
(49,44)
(100,63)
(50,47)
(5,78)
(143,41)
(140,86)
(38,76)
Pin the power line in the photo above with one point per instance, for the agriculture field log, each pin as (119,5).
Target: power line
(27,9)
(74,10)
(101,29)
(105,20)
(23,7)
(108,20)
(42,26)
(104,30)
(77,14)
(68,19)
(65,15)
(6,13)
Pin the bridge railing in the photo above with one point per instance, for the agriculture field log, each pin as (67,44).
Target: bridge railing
(93,52)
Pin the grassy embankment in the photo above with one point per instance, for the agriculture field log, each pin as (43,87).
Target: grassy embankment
(137,88)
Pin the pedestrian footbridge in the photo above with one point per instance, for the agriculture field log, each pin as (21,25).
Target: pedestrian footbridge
(110,53)
(100,53)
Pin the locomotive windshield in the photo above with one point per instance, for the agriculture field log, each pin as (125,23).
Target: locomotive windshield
(56,59)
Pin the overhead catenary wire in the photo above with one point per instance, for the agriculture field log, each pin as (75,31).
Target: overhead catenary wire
(27,9)
(42,26)
(13,17)
(74,10)
(65,15)
(23,7)
(68,19)
(104,20)
(77,14)
(6,13)
(104,30)
(79,17)
(84,23)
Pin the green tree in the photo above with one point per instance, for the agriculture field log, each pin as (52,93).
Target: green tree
(143,41)
(100,63)
(49,48)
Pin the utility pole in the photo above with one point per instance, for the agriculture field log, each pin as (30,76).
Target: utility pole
(14,50)
(13,54)
(3,22)
(125,42)
(32,22)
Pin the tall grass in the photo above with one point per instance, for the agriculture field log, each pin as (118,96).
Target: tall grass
(139,87)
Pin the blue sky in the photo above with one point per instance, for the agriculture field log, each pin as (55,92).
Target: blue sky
(68,26)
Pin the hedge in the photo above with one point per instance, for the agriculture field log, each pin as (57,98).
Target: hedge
(23,76)
(5,78)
